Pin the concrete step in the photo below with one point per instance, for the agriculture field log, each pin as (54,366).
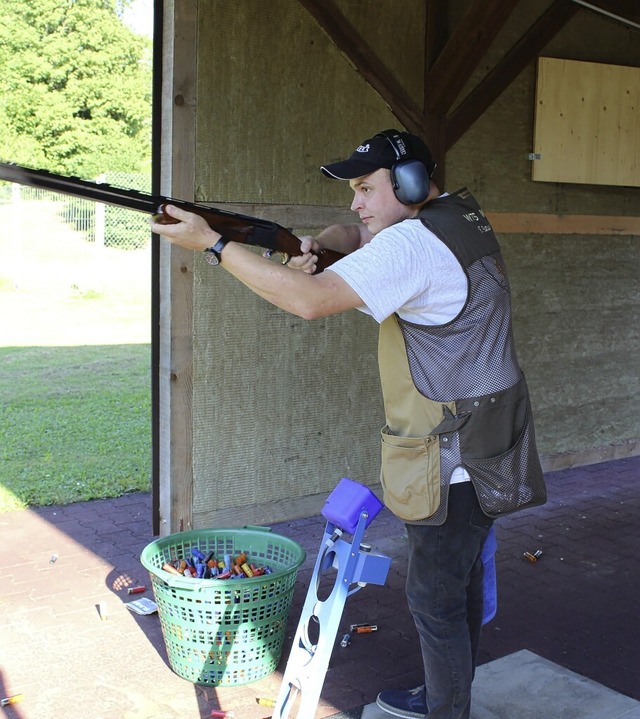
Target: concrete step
(524,685)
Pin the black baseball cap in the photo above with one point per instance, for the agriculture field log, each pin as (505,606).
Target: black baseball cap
(380,151)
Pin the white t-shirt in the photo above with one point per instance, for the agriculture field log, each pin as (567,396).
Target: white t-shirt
(407,270)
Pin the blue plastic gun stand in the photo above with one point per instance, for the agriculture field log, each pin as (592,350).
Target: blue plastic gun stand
(315,637)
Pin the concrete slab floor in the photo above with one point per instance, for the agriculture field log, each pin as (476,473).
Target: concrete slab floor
(526,686)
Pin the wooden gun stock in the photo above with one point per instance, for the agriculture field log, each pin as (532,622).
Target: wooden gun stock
(240,228)
(270,236)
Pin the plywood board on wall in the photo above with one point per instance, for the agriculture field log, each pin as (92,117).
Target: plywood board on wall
(587,123)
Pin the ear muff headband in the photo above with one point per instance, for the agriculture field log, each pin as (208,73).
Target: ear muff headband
(409,176)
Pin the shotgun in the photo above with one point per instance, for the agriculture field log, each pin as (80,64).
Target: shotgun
(268,235)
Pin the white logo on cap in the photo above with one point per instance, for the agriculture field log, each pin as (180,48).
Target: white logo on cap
(364,148)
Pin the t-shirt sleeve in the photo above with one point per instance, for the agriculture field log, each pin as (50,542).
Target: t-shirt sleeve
(393,269)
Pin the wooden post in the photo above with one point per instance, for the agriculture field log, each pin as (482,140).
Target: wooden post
(176,271)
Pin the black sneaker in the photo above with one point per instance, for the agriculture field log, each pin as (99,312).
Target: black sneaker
(408,703)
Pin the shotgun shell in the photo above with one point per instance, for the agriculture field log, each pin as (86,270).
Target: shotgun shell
(171,569)
(367,629)
(136,590)
(265,702)
(14,699)
(345,641)
(222,714)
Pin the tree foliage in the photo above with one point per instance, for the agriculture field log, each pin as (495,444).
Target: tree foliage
(75,87)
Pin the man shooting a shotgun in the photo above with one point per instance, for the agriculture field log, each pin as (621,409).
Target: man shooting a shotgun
(458,447)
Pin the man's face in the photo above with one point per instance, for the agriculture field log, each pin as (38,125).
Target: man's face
(376,203)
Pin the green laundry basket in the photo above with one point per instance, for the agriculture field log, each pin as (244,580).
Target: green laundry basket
(224,632)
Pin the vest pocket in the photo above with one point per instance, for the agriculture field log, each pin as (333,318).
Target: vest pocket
(510,481)
(410,475)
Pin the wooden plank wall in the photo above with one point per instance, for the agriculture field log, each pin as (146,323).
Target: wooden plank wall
(262,413)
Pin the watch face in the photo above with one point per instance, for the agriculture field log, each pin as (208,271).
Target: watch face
(211,257)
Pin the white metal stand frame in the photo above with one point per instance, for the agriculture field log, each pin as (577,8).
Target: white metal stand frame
(356,567)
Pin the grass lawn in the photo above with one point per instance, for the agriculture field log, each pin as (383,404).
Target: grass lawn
(74,365)
(74,423)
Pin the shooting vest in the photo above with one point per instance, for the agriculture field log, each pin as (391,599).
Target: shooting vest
(454,394)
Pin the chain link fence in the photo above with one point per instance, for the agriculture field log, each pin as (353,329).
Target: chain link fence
(102,225)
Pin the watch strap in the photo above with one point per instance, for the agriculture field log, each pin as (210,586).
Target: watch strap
(213,254)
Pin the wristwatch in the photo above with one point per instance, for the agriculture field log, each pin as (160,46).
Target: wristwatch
(212,254)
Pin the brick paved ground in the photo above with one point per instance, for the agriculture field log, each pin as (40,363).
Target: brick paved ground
(578,606)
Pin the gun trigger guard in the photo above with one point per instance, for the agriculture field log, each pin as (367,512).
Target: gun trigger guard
(285,255)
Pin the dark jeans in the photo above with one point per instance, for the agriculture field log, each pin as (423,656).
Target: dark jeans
(444,592)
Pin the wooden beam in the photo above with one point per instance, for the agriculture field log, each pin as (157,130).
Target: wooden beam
(472,36)
(354,47)
(175,383)
(436,32)
(434,133)
(436,138)
(547,224)
(521,54)
(306,217)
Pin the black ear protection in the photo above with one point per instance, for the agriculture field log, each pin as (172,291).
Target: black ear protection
(409,176)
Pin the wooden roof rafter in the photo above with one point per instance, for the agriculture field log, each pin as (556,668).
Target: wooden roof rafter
(451,58)
(502,75)
(464,49)
(355,48)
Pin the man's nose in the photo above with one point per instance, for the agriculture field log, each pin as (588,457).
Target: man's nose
(356,204)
